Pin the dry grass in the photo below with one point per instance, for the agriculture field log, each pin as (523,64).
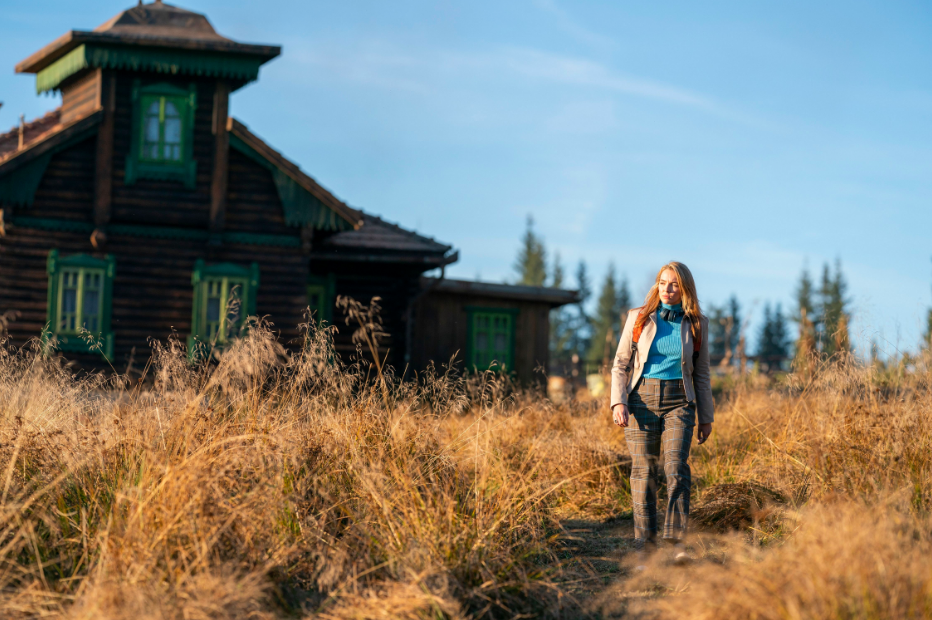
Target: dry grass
(270,485)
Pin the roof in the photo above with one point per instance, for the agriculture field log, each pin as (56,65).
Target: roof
(32,131)
(370,239)
(148,26)
(552,296)
(293,171)
(376,233)
(40,136)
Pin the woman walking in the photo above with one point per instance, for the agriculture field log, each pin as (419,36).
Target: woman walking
(660,380)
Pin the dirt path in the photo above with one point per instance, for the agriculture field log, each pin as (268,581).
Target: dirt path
(595,554)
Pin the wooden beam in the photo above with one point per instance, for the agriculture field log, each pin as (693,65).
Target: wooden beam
(103,176)
(221,173)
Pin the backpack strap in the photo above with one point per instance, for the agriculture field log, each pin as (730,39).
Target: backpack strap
(635,336)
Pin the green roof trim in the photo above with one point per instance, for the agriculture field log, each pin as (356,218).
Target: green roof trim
(158,232)
(18,188)
(171,61)
(301,207)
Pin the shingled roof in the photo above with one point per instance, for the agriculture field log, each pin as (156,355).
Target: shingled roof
(372,239)
(32,131)
(149,25)
(377,234)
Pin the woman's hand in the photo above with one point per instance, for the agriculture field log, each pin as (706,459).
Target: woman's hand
(704,431)
(620,415)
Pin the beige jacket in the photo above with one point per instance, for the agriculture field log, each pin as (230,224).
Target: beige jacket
(697,381)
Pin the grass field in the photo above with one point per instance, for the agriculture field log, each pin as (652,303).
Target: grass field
(288,486)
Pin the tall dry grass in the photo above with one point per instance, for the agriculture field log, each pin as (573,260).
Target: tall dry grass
(847,447)
(269,484)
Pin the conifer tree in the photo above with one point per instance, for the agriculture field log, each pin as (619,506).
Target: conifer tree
(581,323)
(805,316)
(834,307)
(724,328)
(606,317)
(531,264)
(717,323)
(772,343)
(734,315)
(624,302)
(557,272)
(928,334)
(561,329)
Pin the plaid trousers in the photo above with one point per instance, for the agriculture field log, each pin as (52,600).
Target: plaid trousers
(660,416)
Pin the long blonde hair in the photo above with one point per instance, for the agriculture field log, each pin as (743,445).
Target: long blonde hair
(690,299)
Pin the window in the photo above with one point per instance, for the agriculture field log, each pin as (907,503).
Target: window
(162,128)
(320,297)
(491,338)
(79,294)
(224,295)
(162,134)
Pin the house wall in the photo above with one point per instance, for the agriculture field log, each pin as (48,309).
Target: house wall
(152,291)
(80,96)
(158,202)
(440,331)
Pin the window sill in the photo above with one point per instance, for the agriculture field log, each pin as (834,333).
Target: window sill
(100,345)
(185,172)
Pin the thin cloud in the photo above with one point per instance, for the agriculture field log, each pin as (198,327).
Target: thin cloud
(572,27)
(425,71)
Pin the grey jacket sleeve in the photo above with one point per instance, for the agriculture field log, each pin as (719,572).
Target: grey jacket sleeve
(622,357)
(702,380)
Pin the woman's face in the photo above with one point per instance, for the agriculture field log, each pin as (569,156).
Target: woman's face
(669,288)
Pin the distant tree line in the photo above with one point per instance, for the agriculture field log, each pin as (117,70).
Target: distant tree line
(822,315)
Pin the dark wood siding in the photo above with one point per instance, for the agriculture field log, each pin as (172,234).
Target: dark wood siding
(80,96)
(67,188)
(154,202)
(440,331)
(152,290)
(252,199)
(397,287)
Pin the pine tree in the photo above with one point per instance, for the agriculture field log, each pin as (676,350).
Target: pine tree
(928,334)
(772,345)
(623,303)
(581,322)
(834,310)
(717,323)
(734,315)
(780,334)
(561,328)
(557,273)
(805,316)
(724,328)
(765,338)
(531,263)
(605,319)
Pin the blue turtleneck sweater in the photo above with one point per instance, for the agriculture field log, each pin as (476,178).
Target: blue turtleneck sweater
(664,360)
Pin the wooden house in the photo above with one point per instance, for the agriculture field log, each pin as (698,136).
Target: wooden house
(139,209)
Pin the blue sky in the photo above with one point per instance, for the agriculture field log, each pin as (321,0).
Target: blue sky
(743,139)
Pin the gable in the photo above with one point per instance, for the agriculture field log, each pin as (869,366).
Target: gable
(305,203)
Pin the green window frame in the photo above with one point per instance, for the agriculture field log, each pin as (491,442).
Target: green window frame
(80,297)
(224,295)
(162,139)
(490,338)
(321,296)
